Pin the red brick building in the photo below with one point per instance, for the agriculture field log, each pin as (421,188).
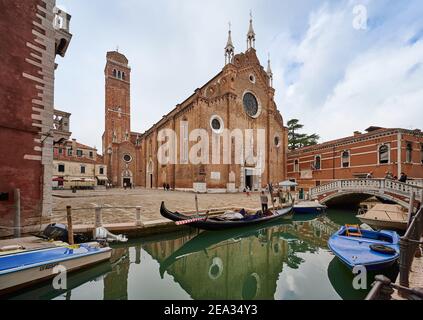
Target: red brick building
(32,32)
(239,98)
(379,150)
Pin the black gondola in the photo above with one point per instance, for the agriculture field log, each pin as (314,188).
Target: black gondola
(213,223)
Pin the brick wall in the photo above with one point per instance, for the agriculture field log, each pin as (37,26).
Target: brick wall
(364,158)
(27,80)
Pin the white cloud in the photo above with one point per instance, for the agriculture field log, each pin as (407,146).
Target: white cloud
(332,77)
(348,79)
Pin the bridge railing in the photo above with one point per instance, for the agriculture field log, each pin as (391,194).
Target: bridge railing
(396,187)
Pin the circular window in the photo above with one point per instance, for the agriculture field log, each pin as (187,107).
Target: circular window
(251,286)
(127,158)
(251,105)
(216,268)
(252,78)
(216,123)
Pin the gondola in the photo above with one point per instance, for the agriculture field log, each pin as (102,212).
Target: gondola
(214,224)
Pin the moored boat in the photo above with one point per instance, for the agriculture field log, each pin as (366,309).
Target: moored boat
(26,268)
(385,216)
(371,249)
(217,223)
(309,207)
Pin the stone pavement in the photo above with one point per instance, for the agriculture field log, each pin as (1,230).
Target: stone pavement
(148,199)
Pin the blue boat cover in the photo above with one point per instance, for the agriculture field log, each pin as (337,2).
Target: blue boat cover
(29,258)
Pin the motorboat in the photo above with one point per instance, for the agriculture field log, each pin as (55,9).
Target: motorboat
(25,268)
(371,249)
(385,216)
(309,207)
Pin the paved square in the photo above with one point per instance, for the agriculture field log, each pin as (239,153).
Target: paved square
(148,199)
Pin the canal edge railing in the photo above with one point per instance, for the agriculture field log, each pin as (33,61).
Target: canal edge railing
(410,244)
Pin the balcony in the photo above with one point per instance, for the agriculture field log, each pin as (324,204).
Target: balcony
(63,35)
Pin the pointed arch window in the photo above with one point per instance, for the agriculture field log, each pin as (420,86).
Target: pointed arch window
(114,73)
(409,153)
(123,75)
(184,142)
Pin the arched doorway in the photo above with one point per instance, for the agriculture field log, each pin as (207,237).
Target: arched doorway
(127,178)
(150,172)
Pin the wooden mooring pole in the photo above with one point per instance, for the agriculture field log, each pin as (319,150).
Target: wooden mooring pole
(70,227)
(98,217)
(196,204)
(138,216)
(17,197)
(411,208)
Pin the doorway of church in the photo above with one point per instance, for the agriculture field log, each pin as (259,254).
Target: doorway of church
(249,181)
(151,181)
(127,182)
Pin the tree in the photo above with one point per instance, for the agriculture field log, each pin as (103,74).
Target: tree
(298,140)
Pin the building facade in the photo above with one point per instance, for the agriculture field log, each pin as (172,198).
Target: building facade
(33,32)
(242,141)
(77,165)
(378,151)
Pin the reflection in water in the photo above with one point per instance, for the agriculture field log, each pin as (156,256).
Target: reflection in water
(116,281)
(279,261)
(239,264)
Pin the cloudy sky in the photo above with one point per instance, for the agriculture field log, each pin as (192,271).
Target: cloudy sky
(334,69)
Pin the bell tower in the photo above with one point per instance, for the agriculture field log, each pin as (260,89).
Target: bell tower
(117,103)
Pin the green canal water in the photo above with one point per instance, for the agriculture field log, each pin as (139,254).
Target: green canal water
(289,260)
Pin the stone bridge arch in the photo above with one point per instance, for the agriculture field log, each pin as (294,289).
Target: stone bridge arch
(355,190)
(355,198)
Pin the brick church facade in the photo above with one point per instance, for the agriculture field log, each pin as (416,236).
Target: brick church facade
(239,99)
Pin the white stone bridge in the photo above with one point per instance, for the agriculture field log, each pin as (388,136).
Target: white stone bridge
(360,189)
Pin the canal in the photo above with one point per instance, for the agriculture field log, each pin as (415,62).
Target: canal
(289,260)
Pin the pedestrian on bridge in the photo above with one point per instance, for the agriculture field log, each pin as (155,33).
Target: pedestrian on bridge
(389,175)
(403,178)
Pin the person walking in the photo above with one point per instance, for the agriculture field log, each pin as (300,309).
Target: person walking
(248,192)
(264,202)
(281,197)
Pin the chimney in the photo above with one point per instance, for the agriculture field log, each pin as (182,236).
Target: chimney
(74,146)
